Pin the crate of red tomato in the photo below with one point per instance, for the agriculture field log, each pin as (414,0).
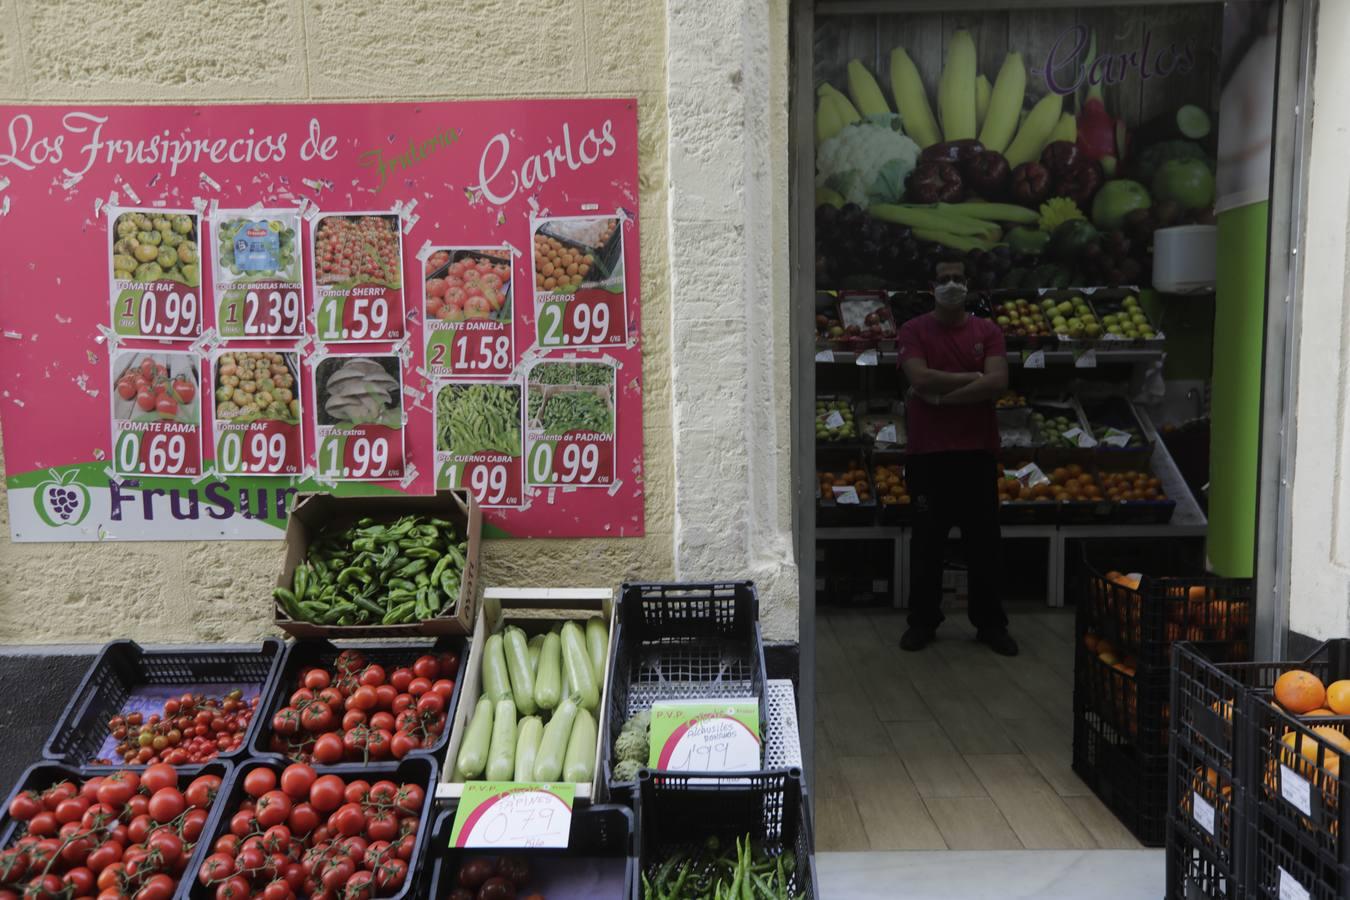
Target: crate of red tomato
(127,834)
(296,830)
(362,703)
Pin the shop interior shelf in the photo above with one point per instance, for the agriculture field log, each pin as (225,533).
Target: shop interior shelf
(1052,357)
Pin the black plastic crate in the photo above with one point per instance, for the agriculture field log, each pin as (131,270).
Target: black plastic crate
(1175,601)
(1283,866)
(1028,512)
(303,654)
(42,775)
(1144,512)
(420,770)
(123,668)
(677,811)
(1086,512)
(681,641)
(1207,705)
(1133,786)
(1194,873)
(603,831)
(1207,805)
(1135,704)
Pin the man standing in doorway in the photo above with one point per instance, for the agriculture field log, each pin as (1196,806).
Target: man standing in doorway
(956,367)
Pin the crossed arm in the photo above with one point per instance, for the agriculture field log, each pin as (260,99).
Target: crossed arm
(957,388)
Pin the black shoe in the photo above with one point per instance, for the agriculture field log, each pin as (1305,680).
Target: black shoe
(916,638)
(1000,642)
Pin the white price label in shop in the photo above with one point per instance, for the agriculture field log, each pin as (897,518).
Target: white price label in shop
(886,434)
(1080,437)
(845,495)
(1086,360)
(1296,790)
(1114,437)
(1202,811)
(513,815)
(1031,475)
(824,356)
(834,420)
(867,358)
(1033,359)
(1290,889)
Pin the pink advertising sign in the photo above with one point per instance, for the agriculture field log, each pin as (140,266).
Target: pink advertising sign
(207,310)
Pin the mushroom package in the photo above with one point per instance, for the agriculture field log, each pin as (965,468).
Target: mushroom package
(360,390)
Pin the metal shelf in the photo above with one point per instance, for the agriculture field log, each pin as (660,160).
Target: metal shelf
(1052,357)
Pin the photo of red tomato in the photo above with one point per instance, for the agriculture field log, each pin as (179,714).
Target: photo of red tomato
(463,274)
(154,386)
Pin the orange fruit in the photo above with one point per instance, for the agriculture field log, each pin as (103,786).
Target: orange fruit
(1323,711)
(1333,736)
(1299,691)
(1338,697)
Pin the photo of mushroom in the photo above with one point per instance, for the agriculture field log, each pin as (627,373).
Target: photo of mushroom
(359,390)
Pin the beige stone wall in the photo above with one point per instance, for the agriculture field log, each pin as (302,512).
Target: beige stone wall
(203,51)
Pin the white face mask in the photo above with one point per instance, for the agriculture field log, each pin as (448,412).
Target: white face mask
(951,295)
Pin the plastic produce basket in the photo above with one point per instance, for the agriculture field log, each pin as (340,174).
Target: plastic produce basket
(124,670)
(1207,709)
(1207,805)
(602,831)
(419,770)
(1184,604)
(680,641)
(1283,867)
(1132,785)
(676,811)
(389,654)
(1194,873)
(42,775)
(1135,706)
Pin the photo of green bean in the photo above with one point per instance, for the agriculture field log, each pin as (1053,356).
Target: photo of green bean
(478,418)
(576,411)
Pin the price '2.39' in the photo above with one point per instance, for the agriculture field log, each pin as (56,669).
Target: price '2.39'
(171,314)
(266,453)
(265,315)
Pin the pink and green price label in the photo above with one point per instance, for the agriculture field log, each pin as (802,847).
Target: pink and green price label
(706,735)
(512,815)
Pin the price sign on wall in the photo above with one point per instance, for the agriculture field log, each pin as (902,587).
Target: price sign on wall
(358,277)
(478,441)
(156,413)
(154,272)
(570,424)
(579,284)
(258,273)
(257,412)
(359,417)
(467,311)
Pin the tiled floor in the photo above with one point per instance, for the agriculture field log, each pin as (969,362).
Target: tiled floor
(954,747)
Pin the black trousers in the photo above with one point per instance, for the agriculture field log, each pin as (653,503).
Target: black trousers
(954,489)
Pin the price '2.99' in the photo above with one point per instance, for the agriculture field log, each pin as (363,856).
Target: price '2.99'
(581,321)
(167,314)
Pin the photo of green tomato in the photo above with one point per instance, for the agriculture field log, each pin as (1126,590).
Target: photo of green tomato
(154,245)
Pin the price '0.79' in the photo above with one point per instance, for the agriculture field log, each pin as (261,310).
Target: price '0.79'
(174,314)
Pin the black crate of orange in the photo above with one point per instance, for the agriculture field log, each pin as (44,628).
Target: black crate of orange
(1134,703)
(1208,808)
(1284,866)
(1142,598)
(1194,872)
(1131,784)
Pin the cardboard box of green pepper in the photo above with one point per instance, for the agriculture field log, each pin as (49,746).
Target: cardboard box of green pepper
(390,566)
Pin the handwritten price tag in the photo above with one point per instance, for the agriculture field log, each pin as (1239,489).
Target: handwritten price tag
(706,735)
(511,815)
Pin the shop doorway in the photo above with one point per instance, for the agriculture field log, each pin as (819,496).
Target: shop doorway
(1122,378)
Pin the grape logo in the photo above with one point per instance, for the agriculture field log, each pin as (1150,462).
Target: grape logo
(62,500)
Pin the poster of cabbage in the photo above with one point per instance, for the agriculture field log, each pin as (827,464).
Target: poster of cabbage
(1042,147)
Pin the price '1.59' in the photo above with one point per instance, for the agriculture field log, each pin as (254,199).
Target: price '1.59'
(355,318)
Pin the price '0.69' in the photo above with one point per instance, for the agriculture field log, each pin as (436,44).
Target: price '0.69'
(171,314)
(266,453)
(165,455)
(369,457)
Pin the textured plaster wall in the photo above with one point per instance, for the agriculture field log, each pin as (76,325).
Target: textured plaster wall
(728,77)
(1319,603)
(296,50)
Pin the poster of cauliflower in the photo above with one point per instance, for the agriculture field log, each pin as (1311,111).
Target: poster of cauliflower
(258,273)
(257,412)
(154,272)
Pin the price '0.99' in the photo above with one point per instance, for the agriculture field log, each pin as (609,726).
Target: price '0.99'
(165,455)
(266,453)
(171,314)
(368,317)
(369,457)
(577,464)
(578,322)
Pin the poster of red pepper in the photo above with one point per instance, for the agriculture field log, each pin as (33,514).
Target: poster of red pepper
(208,310)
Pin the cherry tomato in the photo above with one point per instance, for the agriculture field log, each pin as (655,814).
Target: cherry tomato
(317,679)
(401,744)
(426,667)
(227,843)
(363,698)
(384,696)
(400,678)
(71,810)
(241,823)
(382,720)
(352,718)
(236,888)
(430,704)
(404,847)
(102,856)
(296,780)
(419,686)
(13,864)
(333,696)
(202,791)
(160,775)
(167,844)
(358,887)
(194,822)
(445,687)
(80,879)
(381,825)
(286,721)
(372,675)
(348,820)
(304,819)
(391,874)
(356,791)
(301,697)
(259,781)
(402,702)
(316,717)
(43,824)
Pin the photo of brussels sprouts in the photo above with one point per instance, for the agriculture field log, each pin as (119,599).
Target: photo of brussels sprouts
(264,247)
(155,245)
(253,385)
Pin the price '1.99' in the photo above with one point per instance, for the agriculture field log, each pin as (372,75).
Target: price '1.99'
(361,457)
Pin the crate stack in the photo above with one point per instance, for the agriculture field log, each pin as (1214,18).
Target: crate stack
(1127,623)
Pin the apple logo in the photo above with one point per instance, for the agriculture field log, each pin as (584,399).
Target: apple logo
(62,500)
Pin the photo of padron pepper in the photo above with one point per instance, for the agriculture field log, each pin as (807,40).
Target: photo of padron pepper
(576,411)
(374,573)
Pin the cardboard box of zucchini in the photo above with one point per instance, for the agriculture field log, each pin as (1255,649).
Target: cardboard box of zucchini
(1042,166)
(381,566)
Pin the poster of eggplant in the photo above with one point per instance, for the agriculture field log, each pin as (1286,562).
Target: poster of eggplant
(1044,148)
